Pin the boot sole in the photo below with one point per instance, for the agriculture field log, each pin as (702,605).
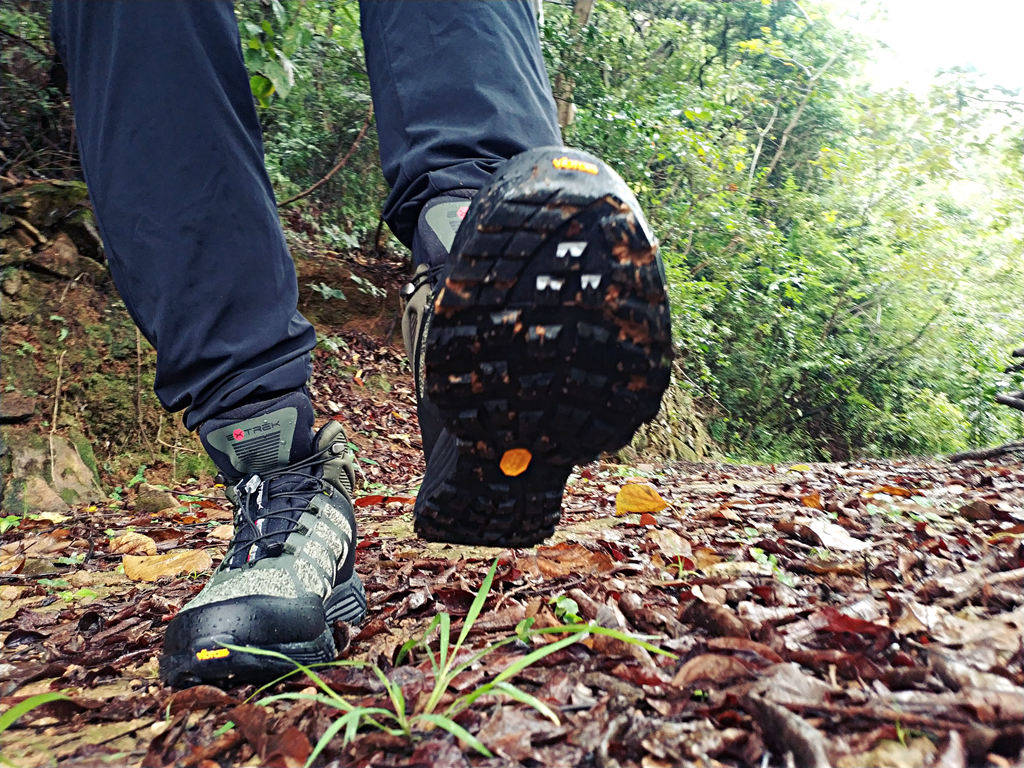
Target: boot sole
(204,661)
(549,339)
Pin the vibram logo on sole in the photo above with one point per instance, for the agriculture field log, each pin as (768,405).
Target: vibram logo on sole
(515,461)
(564,163)
(216,653)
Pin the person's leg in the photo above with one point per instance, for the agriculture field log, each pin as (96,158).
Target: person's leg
(459,87)
(537,319)
(173,158)
(172,154)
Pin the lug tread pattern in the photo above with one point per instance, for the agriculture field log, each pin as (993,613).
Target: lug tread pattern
(563,351)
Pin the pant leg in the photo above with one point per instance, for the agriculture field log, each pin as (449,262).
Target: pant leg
(459,86)
(173,158)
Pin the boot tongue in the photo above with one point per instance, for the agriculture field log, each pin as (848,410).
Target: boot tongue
(439,221)
(258,437)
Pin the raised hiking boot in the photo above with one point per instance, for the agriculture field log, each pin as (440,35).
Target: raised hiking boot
(288,574)
(542,342)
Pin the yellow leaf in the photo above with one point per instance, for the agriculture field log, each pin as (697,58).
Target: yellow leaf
(634,497)
(812,500)
(132,543)
(172,564)
(800,468)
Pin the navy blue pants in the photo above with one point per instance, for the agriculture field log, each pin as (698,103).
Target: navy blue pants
(172,154)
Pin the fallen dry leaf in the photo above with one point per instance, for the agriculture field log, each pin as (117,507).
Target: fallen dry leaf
(151,568)
(132,543)
(890,490)
(225,532)
(713,667)
(634,497)
(566,559)
(671,544)
(835,536)
(812,500)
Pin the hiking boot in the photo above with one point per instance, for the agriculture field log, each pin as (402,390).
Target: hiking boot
(288,574)
(539,343)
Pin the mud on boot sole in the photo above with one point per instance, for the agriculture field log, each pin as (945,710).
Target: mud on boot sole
(549,343)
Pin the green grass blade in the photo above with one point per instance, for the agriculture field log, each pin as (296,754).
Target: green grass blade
(342,703)
(529,699)
(475,608)
(9,716)
(412,642)
(511,671)
(395,694)
(584,629)
(292,673)
(444,640)
(628,638)
(533,657)
(330,733)
(318,697)
(457,731)
(350,722)
(479,655)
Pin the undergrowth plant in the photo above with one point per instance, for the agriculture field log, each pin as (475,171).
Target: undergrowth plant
(402,718)
(11,715)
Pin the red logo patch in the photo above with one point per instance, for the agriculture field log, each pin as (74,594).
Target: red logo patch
(238,434)
(462,211)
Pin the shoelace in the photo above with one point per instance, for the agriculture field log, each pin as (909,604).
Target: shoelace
(255,506)
(428,275)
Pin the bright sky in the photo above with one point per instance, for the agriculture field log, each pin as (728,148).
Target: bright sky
(927,35)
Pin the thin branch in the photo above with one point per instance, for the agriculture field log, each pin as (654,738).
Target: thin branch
(56,410)
(760,144)
(23,41)
(338,166)
(795,119)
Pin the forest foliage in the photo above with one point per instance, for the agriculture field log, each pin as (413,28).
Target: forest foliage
(843,260)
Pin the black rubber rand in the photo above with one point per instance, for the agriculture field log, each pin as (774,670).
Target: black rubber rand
(551,334)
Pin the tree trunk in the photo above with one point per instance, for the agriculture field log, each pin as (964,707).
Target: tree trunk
(564,84)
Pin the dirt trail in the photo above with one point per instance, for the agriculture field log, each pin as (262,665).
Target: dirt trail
(867,613)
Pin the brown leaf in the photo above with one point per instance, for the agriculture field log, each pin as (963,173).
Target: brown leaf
(812,500)
(511,730)
(787,732)
(151,568)
(634,497)
(671,544)
(977,510)
(438,753)
(132,543)
(566,559)
(890,490)
(288,750)
(712,667)
(717,620)
(251,720)
(198,697)
(743,644)
(224,532)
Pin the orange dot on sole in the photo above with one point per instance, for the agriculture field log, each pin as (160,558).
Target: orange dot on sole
(515,461)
